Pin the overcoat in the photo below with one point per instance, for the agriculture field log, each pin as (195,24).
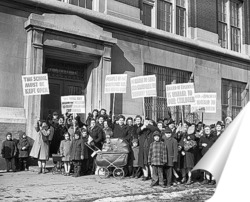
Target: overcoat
(76,149)
(135,156)
(157,155)
(65,149)
(86,151)
(135,134)
(97,135)
(23,142)
(40,148)
(121,132)
(189,155)
(172,150)
(145,139)
(9,149)
(209,140)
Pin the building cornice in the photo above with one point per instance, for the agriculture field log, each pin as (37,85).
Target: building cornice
(133,27)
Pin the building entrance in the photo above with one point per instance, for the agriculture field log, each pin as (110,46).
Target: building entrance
(65,78)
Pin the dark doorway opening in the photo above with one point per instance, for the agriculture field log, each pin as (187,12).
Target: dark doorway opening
(65,78)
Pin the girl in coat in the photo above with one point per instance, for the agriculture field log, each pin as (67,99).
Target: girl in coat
(135,156)
(23,147)
(8,152)
(40,149)
(65,152)
(172,153)
(77,154)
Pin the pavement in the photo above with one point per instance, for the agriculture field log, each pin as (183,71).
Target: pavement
(30,186)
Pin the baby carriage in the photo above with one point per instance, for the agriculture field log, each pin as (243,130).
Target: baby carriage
(58,167)
(114,160)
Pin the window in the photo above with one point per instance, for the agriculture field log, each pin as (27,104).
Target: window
(164,15)
(180,18)
(81,3)
(229,24)
(147,10)
(234,97)
(171,16)
(156,107)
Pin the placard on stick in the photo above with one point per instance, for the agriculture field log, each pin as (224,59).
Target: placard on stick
(115,83)
(180,94)
(205,102)
(143,86)
(73,104)
(36,84)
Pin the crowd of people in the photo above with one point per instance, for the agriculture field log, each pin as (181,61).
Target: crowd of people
(163,151)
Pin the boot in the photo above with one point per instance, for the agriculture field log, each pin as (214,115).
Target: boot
(75,171)
(183,180)
(44,170)
(189,181)
(40,170)
(78,173)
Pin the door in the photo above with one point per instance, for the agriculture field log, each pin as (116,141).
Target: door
(58,88)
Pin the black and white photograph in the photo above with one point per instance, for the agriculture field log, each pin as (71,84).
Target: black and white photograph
(124,100)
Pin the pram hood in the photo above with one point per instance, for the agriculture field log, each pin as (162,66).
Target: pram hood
(119,146)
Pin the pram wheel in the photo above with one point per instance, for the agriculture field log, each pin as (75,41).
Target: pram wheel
(103,172)
(118,173)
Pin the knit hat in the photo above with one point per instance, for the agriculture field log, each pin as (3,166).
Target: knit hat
(135,140)
(167,130)
(219,123)
(157,133)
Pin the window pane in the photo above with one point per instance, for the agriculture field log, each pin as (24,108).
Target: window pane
(164,16)
(234,14)
(222,10)
(147,14)
(235,39)
(222,32)
(74,2)
(82,3)
(180,3)
(180,21)
(88,4)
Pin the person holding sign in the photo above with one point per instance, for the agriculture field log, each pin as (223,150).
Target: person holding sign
(40,149)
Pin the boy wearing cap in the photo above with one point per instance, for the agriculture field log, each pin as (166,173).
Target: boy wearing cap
(172,153)
(157,157)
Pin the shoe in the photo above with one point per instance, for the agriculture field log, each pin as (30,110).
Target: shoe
(43,171)
(189,181)
(7,171)
(162,185)
(152,184)
(212,182)
(183,180)
(145,178)
(205,182)
(40,171)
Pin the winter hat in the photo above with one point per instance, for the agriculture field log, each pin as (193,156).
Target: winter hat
(219,123)
(135,140)
(167,130)
(8,134)
(157,133)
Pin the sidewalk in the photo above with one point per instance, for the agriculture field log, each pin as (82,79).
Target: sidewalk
(29,186)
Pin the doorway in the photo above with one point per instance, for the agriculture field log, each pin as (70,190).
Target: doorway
(65,78)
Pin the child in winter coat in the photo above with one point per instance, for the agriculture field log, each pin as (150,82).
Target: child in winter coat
(9,150)
(172,153)
(65,152)
(77,154)
(135,154)
(157,157)
(23,147)
(85,167)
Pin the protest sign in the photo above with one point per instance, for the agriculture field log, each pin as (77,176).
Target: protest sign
(180,94)
(36,84)
(73,104)
(143,86)
(116,83)
(205,102)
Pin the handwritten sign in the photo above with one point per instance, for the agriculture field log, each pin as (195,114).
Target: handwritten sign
(143,86)
(73,104)
(36,84)
(180,94)
(116,83)
(205,102)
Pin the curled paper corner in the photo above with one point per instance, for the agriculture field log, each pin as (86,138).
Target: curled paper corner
(228,158)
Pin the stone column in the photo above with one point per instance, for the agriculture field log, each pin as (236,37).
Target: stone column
(105,70)
(34,64)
